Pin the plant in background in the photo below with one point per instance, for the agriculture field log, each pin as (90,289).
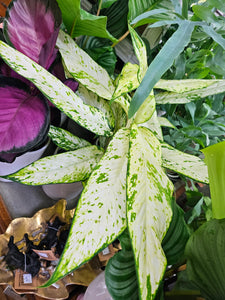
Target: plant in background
(126,186)
(25,112)
(205,248)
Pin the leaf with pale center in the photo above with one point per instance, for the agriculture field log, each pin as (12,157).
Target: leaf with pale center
(127,81)
(83,68)
(58,93)
(100,216)
(146,110)
(149,213)
(66,140)
(185,91)
(141,53)
(61,168)
(183,163)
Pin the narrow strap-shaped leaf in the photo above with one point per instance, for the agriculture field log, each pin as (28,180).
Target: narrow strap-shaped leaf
(101,211)
(185,85)
(149,193)
(172,48)
(182,96)
(141,53)
(185,164)
(59,94)
(66,140)
(61,168)
(214,35)
(83,68)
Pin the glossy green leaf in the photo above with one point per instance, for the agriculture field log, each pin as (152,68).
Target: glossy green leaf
(137,7)
(120,273)
(107,3)
(127,81)
(59,94)
(149,213)
(61,168)
(203,89)
(146,110)
(79,22)
(154,15)
(83,68)
(185,164)
(176,237)
(204,13)
(205,259)
(164,59)
(100,216)
(141,53)
(66,140)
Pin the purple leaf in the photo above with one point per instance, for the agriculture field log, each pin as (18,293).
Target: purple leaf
(24,116)
(32,27)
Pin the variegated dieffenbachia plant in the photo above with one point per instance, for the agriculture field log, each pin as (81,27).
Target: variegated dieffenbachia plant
(126,186)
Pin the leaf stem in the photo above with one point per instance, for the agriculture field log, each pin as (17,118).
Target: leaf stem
(99,8)
(121,38)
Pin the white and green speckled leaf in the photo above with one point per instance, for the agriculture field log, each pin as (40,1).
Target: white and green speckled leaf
(154,125)
(58,93)
(164,122)
(93,99)
(149,193)
(83,68)
(183,163)
(141,53)
(127,80)
(61,168)
(65,139)
(146,110)
(185,85)
(101,212)
(181,92)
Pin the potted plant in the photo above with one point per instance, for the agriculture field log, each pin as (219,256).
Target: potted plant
(25,113)
(125,184)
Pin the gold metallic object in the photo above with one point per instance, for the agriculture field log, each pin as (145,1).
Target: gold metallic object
(35,227)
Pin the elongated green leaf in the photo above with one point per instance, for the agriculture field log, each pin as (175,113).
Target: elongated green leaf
(79,22)
(59,94)
(92,99)
(141,53)
(66,140)
(61,168)
(185,164)
(172,48)
(214,35)
(204,13)
(149,213)
(154,15)
(146,110)
(83,68)
(186,85)
(207,89)
(101,213)
(107,3)
(137,7)
(120,273)
(127,81)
